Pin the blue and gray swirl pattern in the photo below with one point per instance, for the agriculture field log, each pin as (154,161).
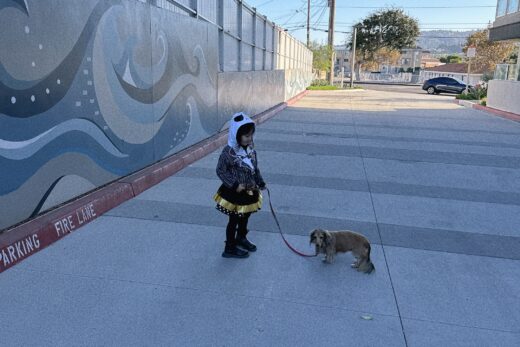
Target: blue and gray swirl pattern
(101,89)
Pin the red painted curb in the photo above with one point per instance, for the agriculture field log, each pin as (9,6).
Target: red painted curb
(22,241)
(297,97)
(508,115)
(504,114)
(33,236)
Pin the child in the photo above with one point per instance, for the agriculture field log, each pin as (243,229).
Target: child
(239,194)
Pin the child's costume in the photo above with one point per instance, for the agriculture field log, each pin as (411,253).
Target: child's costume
(238,165)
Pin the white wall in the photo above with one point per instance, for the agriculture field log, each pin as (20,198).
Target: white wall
(504,95)
(474,79)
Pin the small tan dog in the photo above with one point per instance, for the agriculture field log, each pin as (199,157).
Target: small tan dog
(332,242)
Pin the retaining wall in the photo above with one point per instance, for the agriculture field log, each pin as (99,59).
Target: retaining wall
(94,90)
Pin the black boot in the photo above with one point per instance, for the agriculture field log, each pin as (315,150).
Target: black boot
(243,242)
(232,251)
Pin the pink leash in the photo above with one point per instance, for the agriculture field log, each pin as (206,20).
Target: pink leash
(281,233)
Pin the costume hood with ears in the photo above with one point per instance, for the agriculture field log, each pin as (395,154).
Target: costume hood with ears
(235,123)
(237,120)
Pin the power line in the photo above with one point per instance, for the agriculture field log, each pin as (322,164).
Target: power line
(264,3)
(416,7)
(349,32)
(321,15)
(295,13)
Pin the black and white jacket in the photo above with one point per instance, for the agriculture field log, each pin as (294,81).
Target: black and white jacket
(238,165)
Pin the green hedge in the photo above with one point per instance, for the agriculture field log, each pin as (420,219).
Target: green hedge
(322,88)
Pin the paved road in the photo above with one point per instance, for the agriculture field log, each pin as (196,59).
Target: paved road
(409,89)
(434,186)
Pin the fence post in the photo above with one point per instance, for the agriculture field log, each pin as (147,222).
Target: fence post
(254,41)
(220,22)
(265,43)
(240,14)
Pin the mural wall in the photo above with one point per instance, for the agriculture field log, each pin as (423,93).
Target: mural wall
(296,80)
(251,92)
(93,90)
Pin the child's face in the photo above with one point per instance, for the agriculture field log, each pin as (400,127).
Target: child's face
(246,139)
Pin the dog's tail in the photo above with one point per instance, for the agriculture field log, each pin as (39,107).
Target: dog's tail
(370,265)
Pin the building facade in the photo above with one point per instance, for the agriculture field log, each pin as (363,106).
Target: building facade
(504,89)
(342,59)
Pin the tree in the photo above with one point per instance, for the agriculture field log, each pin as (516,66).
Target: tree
(488,53)
(388,30)
(321,55)
(382,56)
(451,59)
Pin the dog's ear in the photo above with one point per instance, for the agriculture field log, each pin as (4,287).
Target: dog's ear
(327,237)
(312,236)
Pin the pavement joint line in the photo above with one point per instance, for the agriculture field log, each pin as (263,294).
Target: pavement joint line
(392,138)
(223,293)
(304,236)
(390,157)
(435,192)
(462,325)
(379,233)
(60,221)
(357,113)
(380,242)
(448,252)
(382,126)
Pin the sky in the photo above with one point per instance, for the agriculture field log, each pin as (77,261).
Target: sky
(447,14)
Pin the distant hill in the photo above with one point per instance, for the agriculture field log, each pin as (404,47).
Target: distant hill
(443,41)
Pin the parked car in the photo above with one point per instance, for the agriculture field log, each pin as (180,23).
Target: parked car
(444,85)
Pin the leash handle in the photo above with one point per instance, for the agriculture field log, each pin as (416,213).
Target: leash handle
(280,230)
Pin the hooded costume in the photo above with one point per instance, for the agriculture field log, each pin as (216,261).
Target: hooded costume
(238,165)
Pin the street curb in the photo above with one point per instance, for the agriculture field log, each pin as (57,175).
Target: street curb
(389,83)
(28,238)
(507,115)
(23,240)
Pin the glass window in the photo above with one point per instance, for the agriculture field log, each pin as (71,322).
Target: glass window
(501,72)
(501,8)
(513,6)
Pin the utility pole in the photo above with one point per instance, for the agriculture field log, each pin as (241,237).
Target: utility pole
(353,58)
(470,53)
(332,5)
(466,91)
(308,23)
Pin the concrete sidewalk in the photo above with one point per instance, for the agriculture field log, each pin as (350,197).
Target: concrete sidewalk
(434,186)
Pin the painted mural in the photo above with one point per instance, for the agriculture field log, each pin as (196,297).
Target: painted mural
(296,80)
(93,90)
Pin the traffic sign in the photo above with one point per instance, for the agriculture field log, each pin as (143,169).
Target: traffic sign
(472,52)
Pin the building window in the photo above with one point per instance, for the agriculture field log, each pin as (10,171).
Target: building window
(501,8)
(512,6)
